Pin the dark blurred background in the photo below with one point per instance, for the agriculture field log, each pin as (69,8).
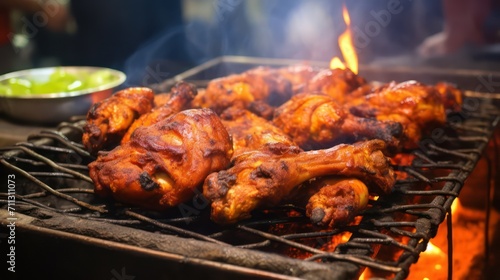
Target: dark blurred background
(155,38)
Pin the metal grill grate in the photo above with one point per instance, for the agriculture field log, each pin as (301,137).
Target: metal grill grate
(52,177)
(53,191)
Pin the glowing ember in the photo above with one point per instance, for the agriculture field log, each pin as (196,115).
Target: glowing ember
(335,240)
(346,47)
(433,250)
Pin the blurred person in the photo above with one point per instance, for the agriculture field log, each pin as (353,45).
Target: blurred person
(106,33)
(464,25)
(38,15)
(109,32)
(195,31)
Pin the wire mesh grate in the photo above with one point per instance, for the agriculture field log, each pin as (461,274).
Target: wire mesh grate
(51,169)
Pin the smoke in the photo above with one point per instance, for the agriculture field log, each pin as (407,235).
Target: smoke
(202,37)
(302,30)
(157,59)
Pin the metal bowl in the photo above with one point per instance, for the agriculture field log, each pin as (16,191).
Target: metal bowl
(52,108)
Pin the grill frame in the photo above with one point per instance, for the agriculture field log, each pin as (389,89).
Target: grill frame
(342,268)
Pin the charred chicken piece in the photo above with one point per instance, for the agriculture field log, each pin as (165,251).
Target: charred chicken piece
(240,90)
(165,162)
(251,132)
(340,84)
(179,99)
(109,119)
(417,107)
(316,121)
(335,201)
(262,179)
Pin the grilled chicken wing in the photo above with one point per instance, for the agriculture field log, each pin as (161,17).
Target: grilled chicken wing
(163,163)
(316,121)
(179,99)
(109,119)
(417,107)
(240,90)
(261,178)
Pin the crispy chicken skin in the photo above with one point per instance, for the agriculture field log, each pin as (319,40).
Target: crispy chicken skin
(179,99)
(251,132)
(240,90)
(340,84)
(316,121)
(335,200)
(109,119)
(417,107)
(261,178)
(163,163)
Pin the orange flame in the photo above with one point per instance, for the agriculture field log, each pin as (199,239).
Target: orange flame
(363,275)
(346,47)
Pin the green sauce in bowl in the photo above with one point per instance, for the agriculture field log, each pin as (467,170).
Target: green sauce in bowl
(54,94)
(60,80)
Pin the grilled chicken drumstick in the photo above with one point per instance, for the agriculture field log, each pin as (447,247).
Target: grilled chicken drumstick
(109,119)
(334,200)
(179,99)
(163,163)
(417,107)
(240,90)
(330,200)
(316,121)
(261,178)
